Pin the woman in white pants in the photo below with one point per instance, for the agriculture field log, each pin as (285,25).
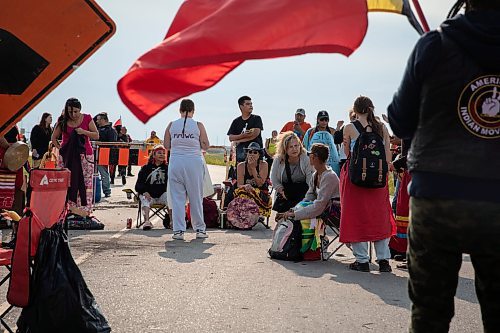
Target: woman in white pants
(185,138)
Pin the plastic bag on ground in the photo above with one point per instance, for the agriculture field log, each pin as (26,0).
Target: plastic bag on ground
(60,299)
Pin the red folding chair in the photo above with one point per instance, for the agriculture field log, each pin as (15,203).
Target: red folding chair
(47,206)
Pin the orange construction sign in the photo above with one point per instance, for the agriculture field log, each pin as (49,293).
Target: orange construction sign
(42,43)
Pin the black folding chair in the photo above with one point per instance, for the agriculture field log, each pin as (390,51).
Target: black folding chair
(159,210)
(331,232)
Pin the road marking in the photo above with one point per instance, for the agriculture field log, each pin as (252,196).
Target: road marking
(120,233)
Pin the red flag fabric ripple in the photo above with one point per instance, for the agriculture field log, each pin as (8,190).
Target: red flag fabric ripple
(210,38)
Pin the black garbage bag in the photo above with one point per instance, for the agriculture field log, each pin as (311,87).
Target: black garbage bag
(60,299)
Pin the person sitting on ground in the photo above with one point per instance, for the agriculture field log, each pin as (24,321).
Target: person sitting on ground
(323,186)
(298,126)
(252,179)
(291,172)
(152,183)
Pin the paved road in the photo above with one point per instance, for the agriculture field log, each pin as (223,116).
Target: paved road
(147,282)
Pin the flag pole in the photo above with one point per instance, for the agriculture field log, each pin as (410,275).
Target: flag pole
(421,15)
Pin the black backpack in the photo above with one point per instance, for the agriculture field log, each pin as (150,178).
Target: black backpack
(287,241)
(368,164)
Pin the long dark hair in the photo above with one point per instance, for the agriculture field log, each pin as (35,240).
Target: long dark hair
(364,105)
(43,123)
(63,119)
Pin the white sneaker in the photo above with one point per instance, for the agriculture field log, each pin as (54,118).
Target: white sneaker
(178,235)
(201,234)
(147,226)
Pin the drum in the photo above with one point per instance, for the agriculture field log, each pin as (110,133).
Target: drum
(16,155)
(243,213)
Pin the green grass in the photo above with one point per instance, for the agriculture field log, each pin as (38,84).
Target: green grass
(214,159)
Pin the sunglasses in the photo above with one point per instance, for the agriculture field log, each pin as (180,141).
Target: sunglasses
(324,119)
(253,152)
(310,153)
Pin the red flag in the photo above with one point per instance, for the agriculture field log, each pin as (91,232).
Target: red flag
(118,122)
(208,39)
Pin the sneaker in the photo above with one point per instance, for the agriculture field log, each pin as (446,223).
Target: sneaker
(200,234)
(383,266)
(403,265)
(147,226)
(179,235)
(360,266)
(107,195)
(130,175)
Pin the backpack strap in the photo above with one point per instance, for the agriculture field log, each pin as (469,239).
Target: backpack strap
(359,127)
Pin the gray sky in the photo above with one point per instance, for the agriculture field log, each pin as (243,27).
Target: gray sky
(277,87)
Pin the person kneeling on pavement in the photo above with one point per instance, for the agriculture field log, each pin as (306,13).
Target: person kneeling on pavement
(323,186)
(152,183)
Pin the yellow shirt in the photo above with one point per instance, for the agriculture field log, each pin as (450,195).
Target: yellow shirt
(153,141)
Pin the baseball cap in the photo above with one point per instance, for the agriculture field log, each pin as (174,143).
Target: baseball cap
(301,111)
(323,114)
(253,146)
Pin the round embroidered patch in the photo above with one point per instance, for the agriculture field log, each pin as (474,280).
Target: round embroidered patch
(479,107)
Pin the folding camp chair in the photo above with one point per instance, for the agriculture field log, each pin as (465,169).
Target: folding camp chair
(331,231)
(47,206)
(155,209)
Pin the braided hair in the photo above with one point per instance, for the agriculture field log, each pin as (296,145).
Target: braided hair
(187,106)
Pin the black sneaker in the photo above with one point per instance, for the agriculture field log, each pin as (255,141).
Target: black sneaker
(383,266)
(360,266)
(130,175)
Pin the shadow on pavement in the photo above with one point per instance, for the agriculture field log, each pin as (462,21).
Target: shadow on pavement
(391,288)
(186,251)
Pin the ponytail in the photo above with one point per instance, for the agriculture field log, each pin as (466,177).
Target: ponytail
(185,119)
(364,105)
(375,123)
